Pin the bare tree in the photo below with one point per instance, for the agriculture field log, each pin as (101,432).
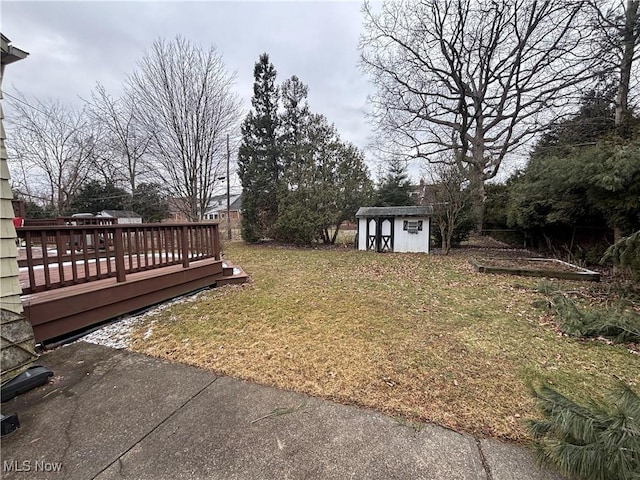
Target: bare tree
(184,100)
(449,194)
(630,36)
(617,29)
(125,142)
(475,77)
(55,146)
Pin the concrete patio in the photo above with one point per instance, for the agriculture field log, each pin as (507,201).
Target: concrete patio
(113,414)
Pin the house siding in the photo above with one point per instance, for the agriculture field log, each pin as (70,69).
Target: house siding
(17,350)
(9,281)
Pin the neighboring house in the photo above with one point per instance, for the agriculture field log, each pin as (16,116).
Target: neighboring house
(394,229)
(218,208)
(424,193)
(176,207)
(123,216)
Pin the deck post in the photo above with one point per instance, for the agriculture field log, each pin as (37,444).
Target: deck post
(216,241)
(185,245)
(119,252)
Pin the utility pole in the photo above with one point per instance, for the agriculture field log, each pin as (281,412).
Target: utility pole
(228,192)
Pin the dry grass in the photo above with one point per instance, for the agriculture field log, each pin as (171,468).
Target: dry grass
(420,336)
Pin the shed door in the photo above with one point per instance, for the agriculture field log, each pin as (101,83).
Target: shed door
(380,234)
(371,234)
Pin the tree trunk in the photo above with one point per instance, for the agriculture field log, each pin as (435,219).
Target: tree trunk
(60,206)
(631,19)
(446,239)
(335,234)
(478,196)
(628,42)
(325,235)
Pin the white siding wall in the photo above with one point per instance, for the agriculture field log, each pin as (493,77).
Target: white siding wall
(404,241)
(362,234)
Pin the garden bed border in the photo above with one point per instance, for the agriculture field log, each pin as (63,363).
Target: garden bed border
(580,274)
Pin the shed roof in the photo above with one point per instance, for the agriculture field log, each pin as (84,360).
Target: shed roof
(409,211)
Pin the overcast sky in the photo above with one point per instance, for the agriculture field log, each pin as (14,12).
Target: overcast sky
(73,45)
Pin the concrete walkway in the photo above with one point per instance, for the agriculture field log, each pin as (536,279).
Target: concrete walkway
(113,414)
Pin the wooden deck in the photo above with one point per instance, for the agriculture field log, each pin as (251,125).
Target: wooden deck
(76,289)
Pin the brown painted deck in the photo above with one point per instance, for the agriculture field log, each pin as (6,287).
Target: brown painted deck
(57,273)
(64,310)
(80,288)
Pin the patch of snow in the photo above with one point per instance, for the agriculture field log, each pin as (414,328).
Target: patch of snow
(118,334)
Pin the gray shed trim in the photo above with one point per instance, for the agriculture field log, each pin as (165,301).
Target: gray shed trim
(413,211)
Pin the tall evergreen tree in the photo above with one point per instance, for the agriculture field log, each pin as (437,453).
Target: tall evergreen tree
(294,123)
(259,155)
(299,178)
(325,180)
(304,203)
(395,188)
(353,187)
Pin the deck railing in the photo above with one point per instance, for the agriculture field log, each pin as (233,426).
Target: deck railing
(41,222)
(57,256)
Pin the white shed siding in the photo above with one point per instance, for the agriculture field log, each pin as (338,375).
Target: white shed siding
(404,241)
(385,227)
(362,234)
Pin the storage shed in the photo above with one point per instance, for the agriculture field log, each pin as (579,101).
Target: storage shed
(394,229)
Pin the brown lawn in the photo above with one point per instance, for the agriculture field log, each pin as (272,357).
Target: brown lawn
(423,337)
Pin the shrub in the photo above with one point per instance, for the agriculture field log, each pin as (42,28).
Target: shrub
(626,253)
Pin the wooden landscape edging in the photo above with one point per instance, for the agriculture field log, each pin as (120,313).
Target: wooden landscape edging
(581,274)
